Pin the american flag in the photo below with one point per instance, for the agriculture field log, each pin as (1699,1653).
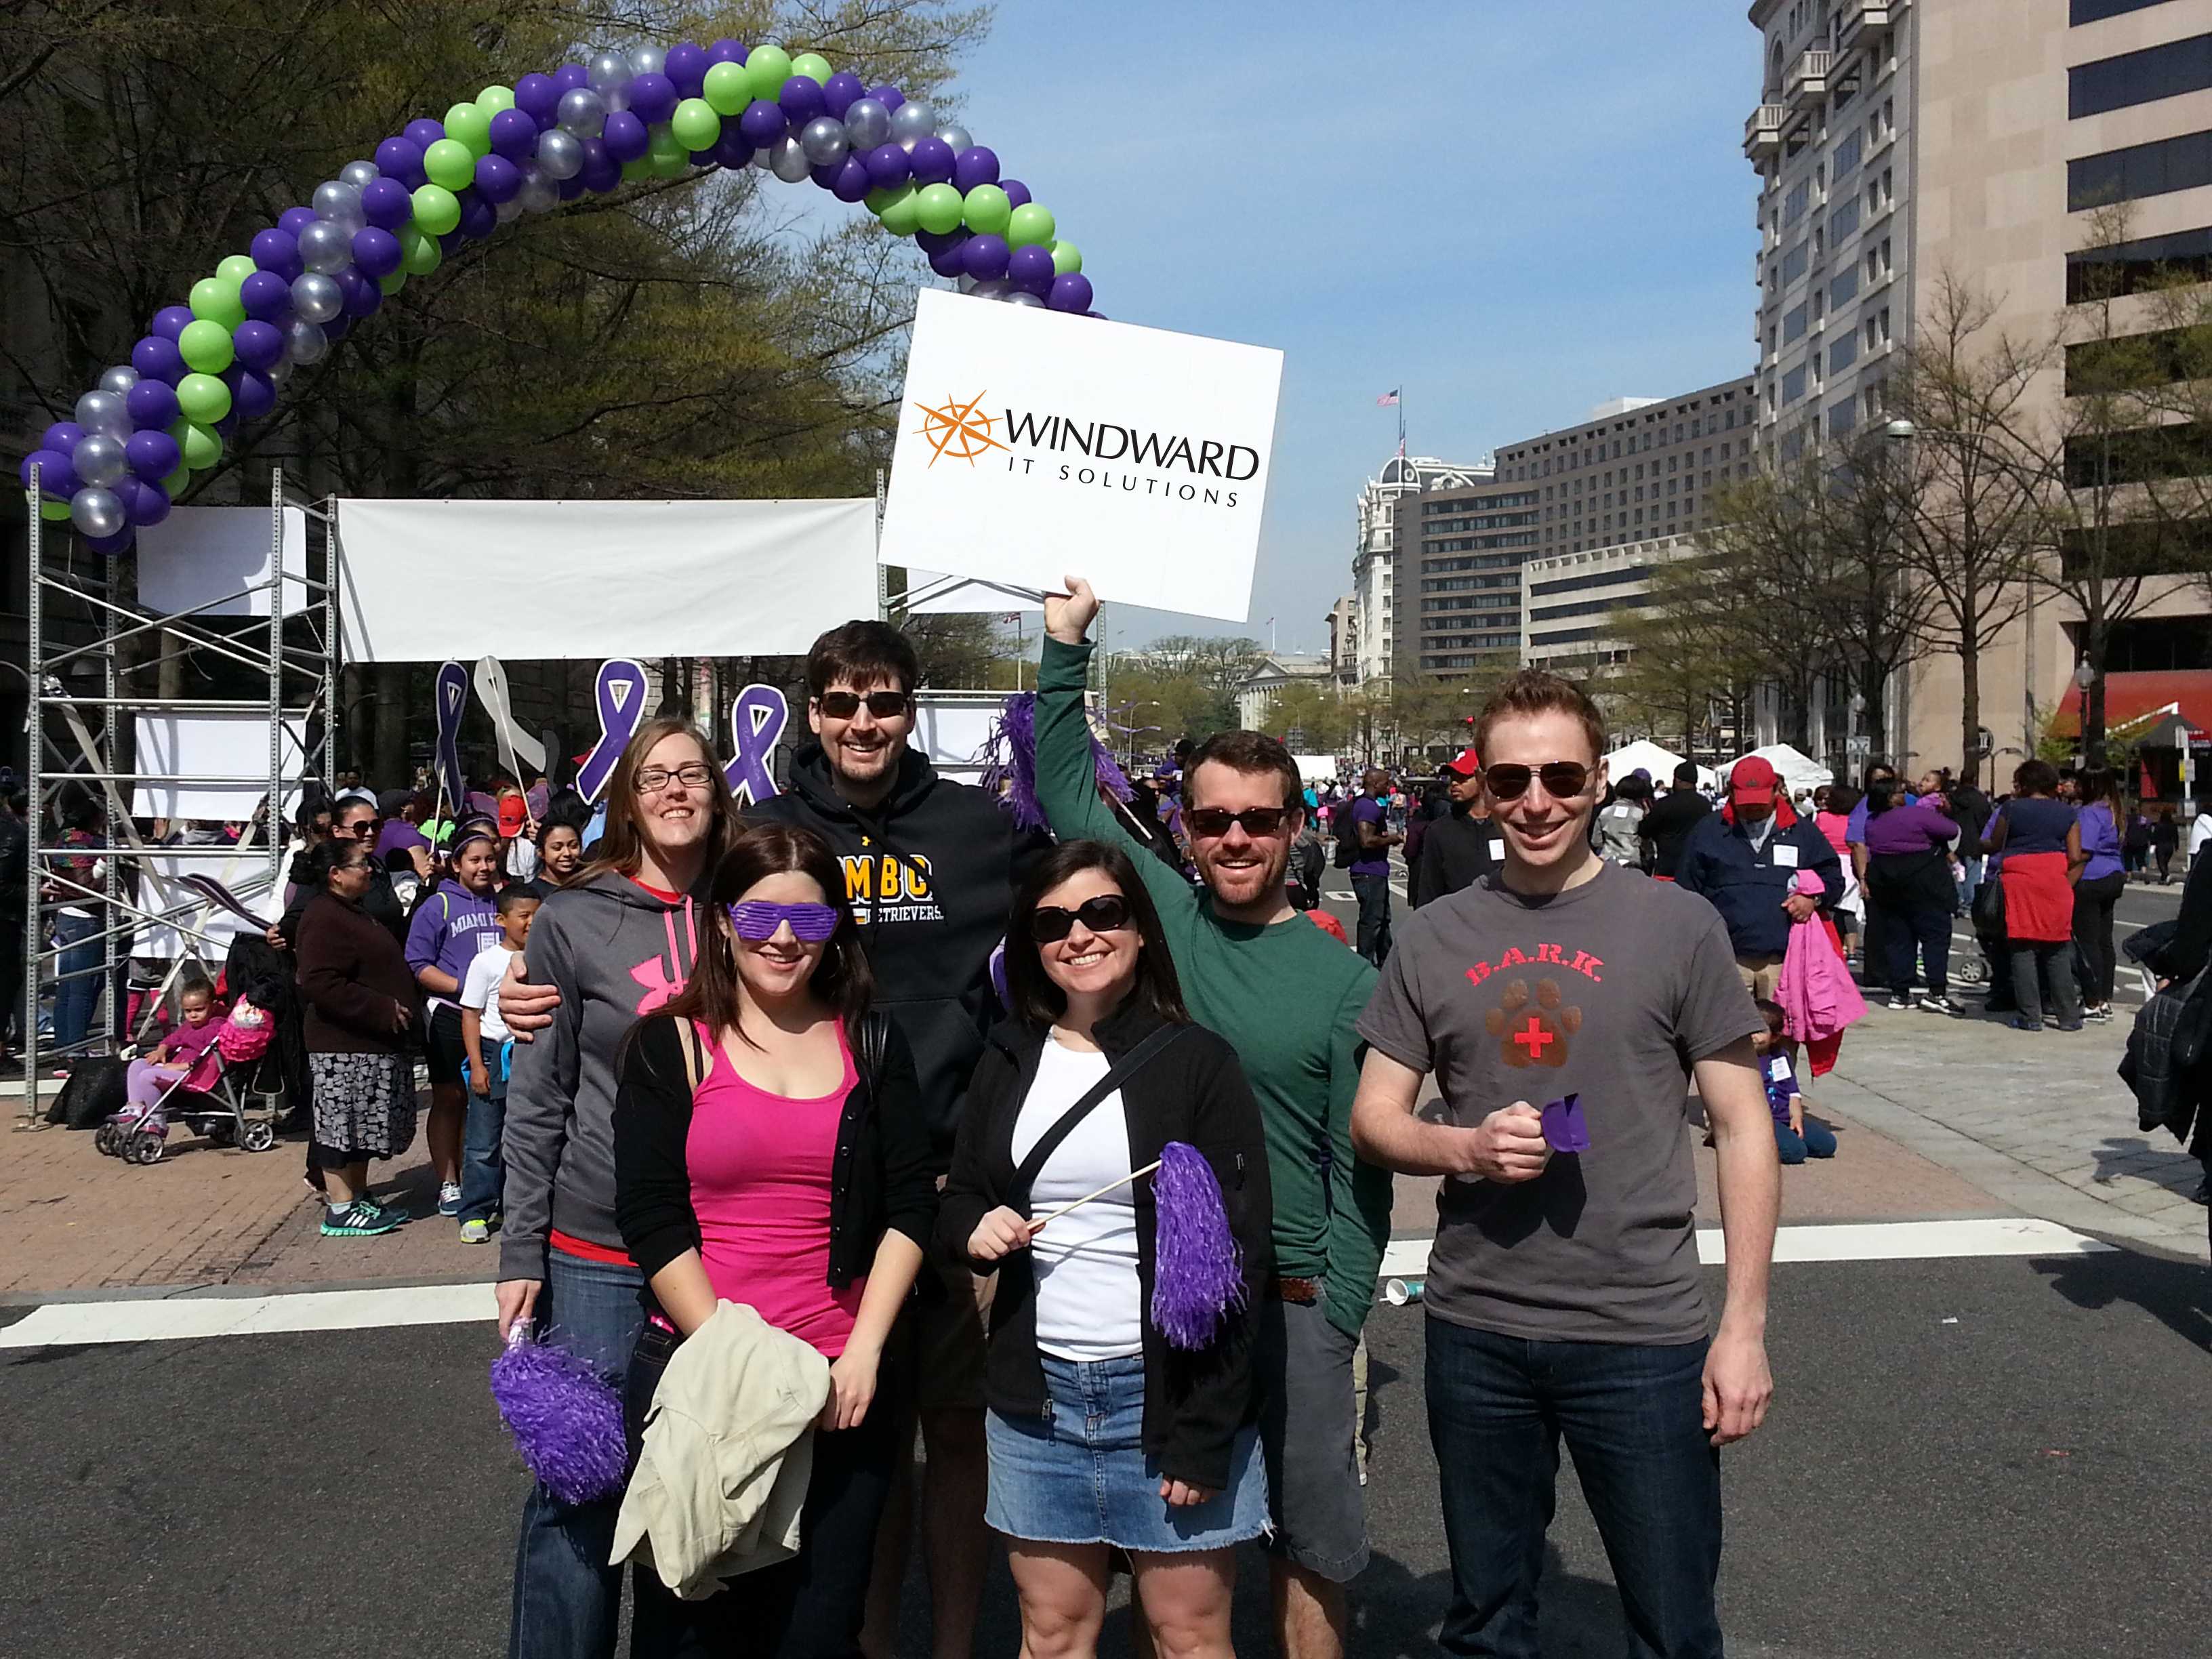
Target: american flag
(1387,400)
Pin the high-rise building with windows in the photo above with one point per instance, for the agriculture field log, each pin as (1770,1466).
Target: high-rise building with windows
(1373,613)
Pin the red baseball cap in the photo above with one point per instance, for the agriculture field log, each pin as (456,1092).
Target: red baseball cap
(1753,779)
(1467,763)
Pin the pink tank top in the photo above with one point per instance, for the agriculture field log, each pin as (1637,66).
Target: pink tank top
(760,1167)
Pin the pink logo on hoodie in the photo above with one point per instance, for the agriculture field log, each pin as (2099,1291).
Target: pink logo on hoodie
(660,987)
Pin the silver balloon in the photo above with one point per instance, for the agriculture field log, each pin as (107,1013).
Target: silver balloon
(1021,296)
(359,174)
(97,511)
(646,60)
(762,158)
(99,458)
(316,299)
(104,411)
(340,203)
(825,140)
(911,121)
(608,74)
(121,377)
(538,193)
(279,372)
(997,289)
(867,123)
(581,112)
(305,341)
(326,246)
(787,161)
(509,210)
(560,156)
(966,284)
(956,136)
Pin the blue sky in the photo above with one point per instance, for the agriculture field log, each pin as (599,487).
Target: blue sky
(1511,209)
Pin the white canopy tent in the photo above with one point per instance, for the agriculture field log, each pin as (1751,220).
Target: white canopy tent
(1659,763)
(1799,772)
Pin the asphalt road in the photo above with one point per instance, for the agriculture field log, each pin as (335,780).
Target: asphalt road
(1967,1459)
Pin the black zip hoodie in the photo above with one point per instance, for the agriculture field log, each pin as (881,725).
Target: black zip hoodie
(931,874)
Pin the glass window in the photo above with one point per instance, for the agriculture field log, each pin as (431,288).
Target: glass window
(1845,287)
(2140,170)
(1793,384)
(2093,11)
(1793,324)
(2140,77)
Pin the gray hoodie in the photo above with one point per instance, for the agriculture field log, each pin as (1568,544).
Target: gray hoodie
(615,952)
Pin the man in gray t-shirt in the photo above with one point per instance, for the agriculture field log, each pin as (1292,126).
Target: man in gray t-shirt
(1563,1291)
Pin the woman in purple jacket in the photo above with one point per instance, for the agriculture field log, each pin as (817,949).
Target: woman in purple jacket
(2103,880)
(1908,876)
(449,927)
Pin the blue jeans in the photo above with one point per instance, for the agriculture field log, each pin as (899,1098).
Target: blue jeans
(1633,1416)
(1374,895)
(568,1599)
(1819,1140)
(481,1171)
(75,999)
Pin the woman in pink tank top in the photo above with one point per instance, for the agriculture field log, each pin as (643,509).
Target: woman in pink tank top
(794,1178)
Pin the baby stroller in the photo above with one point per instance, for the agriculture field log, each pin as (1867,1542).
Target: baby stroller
(232,1098)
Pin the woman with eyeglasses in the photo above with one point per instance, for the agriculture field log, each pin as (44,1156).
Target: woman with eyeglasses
(1102,1435)
(794,1177)
(619,942)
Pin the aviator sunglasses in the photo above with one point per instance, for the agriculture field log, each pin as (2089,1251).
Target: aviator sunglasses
(1213,822)
(758,920)
(1563,780)
(843,705)
(1107,914)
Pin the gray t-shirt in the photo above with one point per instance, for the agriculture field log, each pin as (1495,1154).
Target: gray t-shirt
(1608,990)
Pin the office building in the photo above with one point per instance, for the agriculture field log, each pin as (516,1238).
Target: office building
(1374,561)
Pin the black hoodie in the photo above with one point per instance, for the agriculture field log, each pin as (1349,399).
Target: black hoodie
(931,874)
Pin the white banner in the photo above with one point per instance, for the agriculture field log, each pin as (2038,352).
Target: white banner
(423,581)
(213,749)
(1034,445)
(202,553)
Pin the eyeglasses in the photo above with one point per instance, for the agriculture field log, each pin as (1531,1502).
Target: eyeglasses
(1213,822)
(1563,780)
(1108,913)
(758,919)
(883,705)
(651,780)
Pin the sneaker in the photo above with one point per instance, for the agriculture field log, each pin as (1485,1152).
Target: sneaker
(1935,1004)
(449,1198)
(387,1207)
(1900,1005)
(2098,1016)
(357,1221)
(476,1232)
(2019,1024)
(2075,1026)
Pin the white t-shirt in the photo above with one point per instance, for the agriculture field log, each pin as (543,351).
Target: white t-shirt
(480,989)
(1089,1303)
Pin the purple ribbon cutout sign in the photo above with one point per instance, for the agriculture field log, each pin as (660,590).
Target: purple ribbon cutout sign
(451,697)
(620,690)
(756,722)
(1564,1130)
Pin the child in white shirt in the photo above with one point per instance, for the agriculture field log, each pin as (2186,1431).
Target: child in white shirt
(486,1048)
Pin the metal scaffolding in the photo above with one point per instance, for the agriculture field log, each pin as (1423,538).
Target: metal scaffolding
(87,741)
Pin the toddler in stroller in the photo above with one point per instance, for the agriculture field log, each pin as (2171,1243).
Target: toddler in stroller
(178,1078)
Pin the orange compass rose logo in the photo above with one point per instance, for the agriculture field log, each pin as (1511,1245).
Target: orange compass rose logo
(958,429)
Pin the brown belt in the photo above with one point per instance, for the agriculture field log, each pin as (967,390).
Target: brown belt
(1303,1292)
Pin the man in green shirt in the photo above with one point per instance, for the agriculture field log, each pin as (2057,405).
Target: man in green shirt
(1257,970)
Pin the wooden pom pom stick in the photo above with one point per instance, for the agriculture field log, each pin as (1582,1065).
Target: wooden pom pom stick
(1118,1180)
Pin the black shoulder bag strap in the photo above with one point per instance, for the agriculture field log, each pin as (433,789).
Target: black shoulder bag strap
(875,1036)
(1049,1142)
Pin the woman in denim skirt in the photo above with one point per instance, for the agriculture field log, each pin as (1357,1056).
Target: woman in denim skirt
(1102,1434)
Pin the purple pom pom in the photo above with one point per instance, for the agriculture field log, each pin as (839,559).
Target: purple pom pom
(566,1421)
(1012,762)
(1198,1274)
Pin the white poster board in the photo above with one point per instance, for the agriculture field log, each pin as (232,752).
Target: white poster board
(212,749)
(953,728)
(202,553)
(1033,445)
(204,928)
(426,580)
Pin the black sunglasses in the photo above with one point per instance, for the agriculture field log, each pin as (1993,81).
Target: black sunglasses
(1213,822)
(883,705)
(1563,780)
(1107,914)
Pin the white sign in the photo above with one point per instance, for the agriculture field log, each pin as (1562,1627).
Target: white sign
(215,560)
(1034,445)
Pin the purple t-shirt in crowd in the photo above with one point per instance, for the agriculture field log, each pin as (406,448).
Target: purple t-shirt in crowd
(396,834)
(1781,1081)
(1907,829)
(2100,839)
(451,926)
(1367,809)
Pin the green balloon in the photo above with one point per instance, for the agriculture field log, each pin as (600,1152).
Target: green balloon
(728,89)
(813,65)
(938,209)
(53,510)
(215,301)
(669,156)
(471,125)
(492,99)
(437,211)
(1067,258)
(450,162)
(237,268)
(1030,225)
(988,209)
(419,253)
(767,69)
(695,124)
(202,447)
(640,168)
(206,347)
(392,281)
(877,199)
(204,398)
(902,215)
(178,482)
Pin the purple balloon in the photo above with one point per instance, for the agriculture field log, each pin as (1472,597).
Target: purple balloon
(986,257)
(1030,269)
(652,98)
(889,166)
(888,97)
(386,203)
(801,100)
(600,172)
(259,345)
(64,436)
(569,76)
(479,218)
(336,329)
(376,251)
(761,123)
(936,241)
(449,244)
(118,542)
(932,161)
(499,178)
(400,159)
(853,181)
(1070,293)
(275,250)
(251,394)
(158,359)
(536,96)
(152,455)
(170,321)
(293,220)
(686,66)
(947,262)
(727,51)
(972,167)
(144,502)
(423,133)
(1016,191)
(514,134)
(153,405)
(363,298)
(56,477)
(733,150)
(574,186)
(265,294)
(841,91)
(625,135)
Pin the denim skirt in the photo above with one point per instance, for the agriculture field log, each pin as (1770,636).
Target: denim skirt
(1080,1476)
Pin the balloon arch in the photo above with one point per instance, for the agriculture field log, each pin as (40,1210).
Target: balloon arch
(205,367)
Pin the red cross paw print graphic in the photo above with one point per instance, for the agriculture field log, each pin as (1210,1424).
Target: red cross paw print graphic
(1533,1036)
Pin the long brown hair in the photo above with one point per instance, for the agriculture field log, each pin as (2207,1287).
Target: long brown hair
(842,979)
(1035,997)
(621,844)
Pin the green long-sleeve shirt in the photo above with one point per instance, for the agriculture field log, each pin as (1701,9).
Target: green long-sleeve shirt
(1285,995)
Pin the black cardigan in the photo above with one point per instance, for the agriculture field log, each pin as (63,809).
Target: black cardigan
(1193,1090)
(880,1177)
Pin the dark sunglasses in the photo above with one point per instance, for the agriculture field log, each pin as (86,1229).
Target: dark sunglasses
(843,705)
(758,920)
(1563,780)
(1108,913)
(1213,822)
